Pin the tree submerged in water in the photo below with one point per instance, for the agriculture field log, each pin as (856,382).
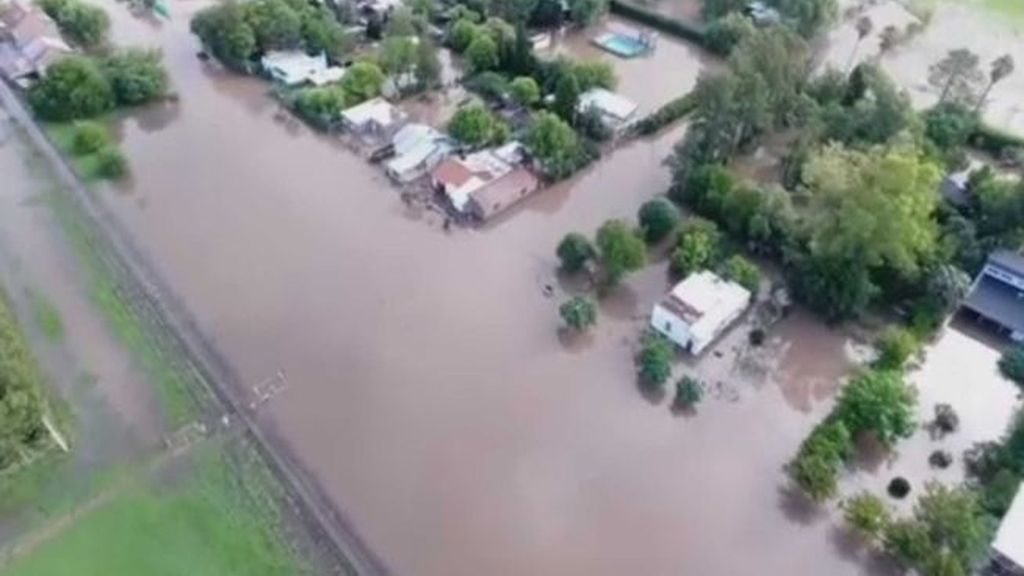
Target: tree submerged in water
(579,313)
(689,392)
(654,363)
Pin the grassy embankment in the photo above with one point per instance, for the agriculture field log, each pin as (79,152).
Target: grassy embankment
(177,394)
(218,520)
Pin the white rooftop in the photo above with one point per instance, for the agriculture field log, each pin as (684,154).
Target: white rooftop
(376,110)
(609,103)
(1010,538)
(294,67)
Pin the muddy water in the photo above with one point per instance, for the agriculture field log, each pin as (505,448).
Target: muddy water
(428,389)
(954,25)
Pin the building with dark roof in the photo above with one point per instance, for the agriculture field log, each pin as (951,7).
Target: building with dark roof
(997,295)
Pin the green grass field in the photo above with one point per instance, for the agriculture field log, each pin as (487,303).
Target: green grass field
(207,525)
(47,317)
(86,165)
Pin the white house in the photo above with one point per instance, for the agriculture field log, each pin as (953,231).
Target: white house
(295,67)
(698,310)
(376,116)
(616,111)
(418,149)
(1008,547)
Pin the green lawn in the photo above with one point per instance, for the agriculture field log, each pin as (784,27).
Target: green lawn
(208,526)
(47,317)
(87,165)
(1012,8)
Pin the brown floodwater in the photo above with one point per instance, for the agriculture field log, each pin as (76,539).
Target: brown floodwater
(953,25)
(428,388)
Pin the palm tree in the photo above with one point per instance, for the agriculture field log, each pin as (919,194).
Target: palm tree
(1001,68)
(864,27)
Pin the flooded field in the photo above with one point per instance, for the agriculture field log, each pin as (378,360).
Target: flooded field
(115,413)
(427,387)
(987,32)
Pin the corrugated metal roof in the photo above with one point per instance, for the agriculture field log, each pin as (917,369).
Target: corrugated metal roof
(997,301)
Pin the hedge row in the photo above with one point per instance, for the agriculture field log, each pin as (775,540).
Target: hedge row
(667,114)
(995,141)
(21,398)
(661,22)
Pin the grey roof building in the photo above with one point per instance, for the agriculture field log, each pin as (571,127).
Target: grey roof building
(998,293)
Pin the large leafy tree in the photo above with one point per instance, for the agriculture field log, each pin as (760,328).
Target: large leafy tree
(574,251)
(578,313)
(482,53)
(809,17)
(554,144)
(476,126)
(276,25)
(868,210)
(397,55)
(363,81)
(224,30)
(136,76)
(84,24)
(878,401)
(957,76)
(587,12)
(73,87)
(620,249)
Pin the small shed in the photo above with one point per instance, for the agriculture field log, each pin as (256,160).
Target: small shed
(698,310)
(418,149)
(616,111)
(295,67)
(374,117)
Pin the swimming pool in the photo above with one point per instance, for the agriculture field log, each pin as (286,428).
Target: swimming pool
(620,45)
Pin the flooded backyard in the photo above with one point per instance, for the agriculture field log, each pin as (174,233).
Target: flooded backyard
(428,390)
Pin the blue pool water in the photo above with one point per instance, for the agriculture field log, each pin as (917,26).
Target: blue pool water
(621,45)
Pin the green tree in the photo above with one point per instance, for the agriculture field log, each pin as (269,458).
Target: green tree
(895,346)
(21,400)
(574,251)
(1001,68)
(715,9)
(554,144)
(567,98)
(620,249)
(525,91)
(274,23)
(697,247)
(401,23)
(958,77)
(815,470)
(363,81)
(654,363)
(809,17)
(475,126)
(908,540)
(321,105)
(321,32)
(1011,365)
(224,31)
(578,313)
(948,125)
(724,34)
(462,34)
(84,24)
(428,66)
(88,137)
(136,76)
(866,514)
(482,53)
(741,271)
(689,392)
(878,402)
(397,55)
(587,12)
(74,87)
(658,218)
(593,74)
(869,211)
(111,163)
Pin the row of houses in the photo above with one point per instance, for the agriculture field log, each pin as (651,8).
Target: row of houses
(30,42)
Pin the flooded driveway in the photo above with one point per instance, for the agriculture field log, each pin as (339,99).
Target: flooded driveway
(427,388)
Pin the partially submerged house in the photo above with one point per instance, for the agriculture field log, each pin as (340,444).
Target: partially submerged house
(295,67)
(997,294)
(418,148)
(1008,547)
(698,310)
(376,117)
(485,183)
(29,42)
(616,111)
